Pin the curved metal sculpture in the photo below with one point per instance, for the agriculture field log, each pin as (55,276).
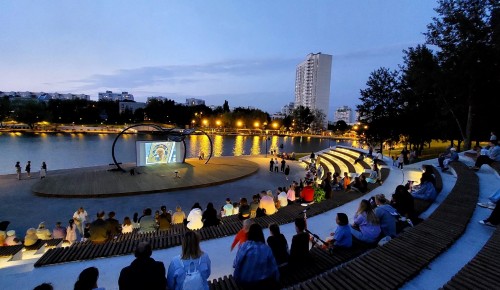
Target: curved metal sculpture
(171,135)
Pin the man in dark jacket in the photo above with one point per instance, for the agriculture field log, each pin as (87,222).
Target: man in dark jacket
(144,272)
(113,225)
(99,229)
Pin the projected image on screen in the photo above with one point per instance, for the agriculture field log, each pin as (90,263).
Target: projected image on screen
(158,152)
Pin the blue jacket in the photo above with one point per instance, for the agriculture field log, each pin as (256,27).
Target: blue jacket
(177,272)
(425,192)
(254,262)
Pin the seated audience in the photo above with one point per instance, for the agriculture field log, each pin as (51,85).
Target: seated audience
(113,225)
(147,222)
(228,207)
(179,216)
(59,232)
(342,237)
(278,244)
(236,208)
(254,205)
(282,197)
(11,239)
(307,193)
(366,226)
(195,218)
(31,238)
(3,236)
(494,219)
(254,265)
(44,286)
(71,231)
(241,236)
(42,232)
(267,202)
(290,194)
(191,259)
(403,202)
(165,219)
(299,250)
(209,217)
(135,221)
(492,156)
(426,191)
(326,185)
(346,181)
(445,159)
(387,216)
(127,226)
(144,272)
(99,229)
(244,210)
(87,280)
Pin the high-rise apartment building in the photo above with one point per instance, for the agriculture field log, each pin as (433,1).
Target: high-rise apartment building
(110,96)
(312,82)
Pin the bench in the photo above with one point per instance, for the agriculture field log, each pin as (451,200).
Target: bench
(406,255)
(480,272)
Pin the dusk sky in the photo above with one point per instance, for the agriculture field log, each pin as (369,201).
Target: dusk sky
(241,51)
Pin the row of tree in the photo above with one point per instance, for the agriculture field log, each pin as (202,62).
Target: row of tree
(449,92)
(33,111)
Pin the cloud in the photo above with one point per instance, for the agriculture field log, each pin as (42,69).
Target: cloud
(177,76)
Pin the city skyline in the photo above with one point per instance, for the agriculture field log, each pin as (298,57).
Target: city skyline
(243,52)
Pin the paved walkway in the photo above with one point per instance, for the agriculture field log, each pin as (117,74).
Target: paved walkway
(101,182)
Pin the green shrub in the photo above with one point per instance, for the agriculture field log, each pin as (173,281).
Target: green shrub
(319,194)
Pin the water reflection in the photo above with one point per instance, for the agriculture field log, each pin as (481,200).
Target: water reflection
(255,149)
(218,148)
(239,146)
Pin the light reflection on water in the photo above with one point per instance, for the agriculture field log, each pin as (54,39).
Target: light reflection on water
(81,150)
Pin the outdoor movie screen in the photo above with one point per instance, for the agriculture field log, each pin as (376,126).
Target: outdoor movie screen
(157,152)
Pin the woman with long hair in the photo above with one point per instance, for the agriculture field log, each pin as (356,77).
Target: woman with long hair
(209,217)
(71,232)
(254,265)
(192,261)
(278,244)
(365,227)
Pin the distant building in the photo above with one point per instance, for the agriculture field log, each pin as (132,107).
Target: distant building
(57,96)
(278,116)
(132,106)
(110,96)
(345,114)
(312,82)
(190,102)
(288,108)
(158,98)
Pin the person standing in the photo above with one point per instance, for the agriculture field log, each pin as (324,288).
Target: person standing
(191,269)
(144,272)
(71,232)
(43,170)
(283,164)
(80,217)
(276,164)
(287,171)
(271,164)
(18,170)
(28,169)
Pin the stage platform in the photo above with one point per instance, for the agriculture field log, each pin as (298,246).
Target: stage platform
(101,182)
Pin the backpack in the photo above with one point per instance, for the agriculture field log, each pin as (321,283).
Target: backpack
(193,279)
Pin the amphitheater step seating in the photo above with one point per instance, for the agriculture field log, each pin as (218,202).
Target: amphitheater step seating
(406,255)
(481,272)
(353,156)
(125,244)
(350,167)
(322,260)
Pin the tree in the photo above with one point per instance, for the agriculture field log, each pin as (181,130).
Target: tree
(421,106)
(225,107)
(4,109)
(318,120)
(29,112)
(463,31)
(381,105)
(302,117)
